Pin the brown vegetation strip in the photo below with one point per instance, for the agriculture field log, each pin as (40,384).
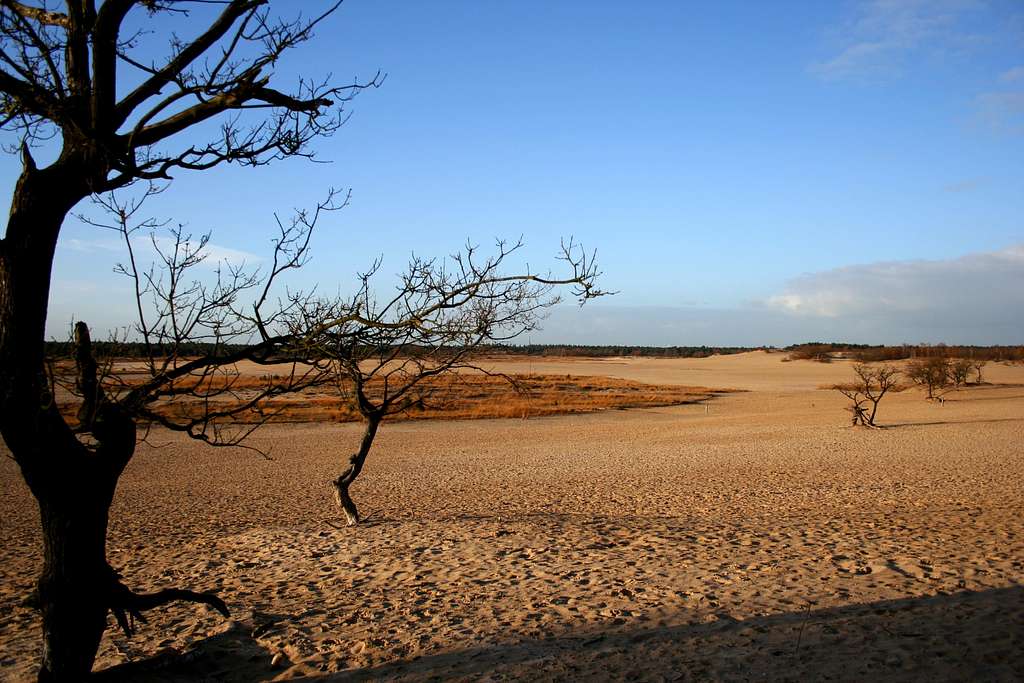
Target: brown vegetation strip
(460,396)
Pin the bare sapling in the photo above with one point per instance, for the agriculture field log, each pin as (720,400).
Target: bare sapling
(383,352)
(978,366)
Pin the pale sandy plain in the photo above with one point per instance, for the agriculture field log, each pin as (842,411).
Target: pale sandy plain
(759,538)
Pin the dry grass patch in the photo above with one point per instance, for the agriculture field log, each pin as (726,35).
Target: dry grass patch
(454,396)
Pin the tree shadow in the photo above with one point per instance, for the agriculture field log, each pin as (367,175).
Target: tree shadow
(235,651)
(972,399)
(953,422)
(961,636)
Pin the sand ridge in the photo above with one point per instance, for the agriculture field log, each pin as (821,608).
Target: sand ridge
(757,539)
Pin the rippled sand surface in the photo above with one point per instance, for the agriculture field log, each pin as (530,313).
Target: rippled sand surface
(756,538)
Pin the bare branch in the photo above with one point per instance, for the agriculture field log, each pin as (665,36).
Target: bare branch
(184,58)
(39,14)
(433,326)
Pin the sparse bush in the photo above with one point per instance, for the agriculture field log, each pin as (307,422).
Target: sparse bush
(816,352)
(959,370)
(933,374)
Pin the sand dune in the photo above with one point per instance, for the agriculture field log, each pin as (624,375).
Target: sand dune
(761,539)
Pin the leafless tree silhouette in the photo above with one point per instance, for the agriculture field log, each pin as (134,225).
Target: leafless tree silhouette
(978,366)
(429,329)
(73,77)
(869,386)
(63,80)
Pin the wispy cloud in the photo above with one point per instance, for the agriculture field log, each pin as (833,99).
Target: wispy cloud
(143,246)
(968,185)
(90,246)
(882,34)
(1013,75)
(215,254)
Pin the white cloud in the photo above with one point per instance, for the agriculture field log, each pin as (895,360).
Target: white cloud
(883,33)
(985,290)
(974,299)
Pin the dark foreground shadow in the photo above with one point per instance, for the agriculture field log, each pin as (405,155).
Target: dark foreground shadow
(975,636)
(228,656)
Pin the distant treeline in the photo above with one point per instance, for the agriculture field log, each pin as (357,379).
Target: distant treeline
(820,351)
(607,351)
(826,351)
(107,349)
(138,350)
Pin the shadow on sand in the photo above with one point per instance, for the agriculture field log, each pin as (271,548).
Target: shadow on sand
(962,636)
(953,422)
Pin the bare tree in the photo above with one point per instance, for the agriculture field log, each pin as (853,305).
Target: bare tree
(978,365)
(61,79)
(870,386)
(933,374)
(852,391)
(391,355)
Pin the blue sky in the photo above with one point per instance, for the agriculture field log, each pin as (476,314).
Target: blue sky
(750,173)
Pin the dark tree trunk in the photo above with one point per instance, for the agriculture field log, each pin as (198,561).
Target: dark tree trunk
(76,580)
(73,485)
(355,466)
(344,500)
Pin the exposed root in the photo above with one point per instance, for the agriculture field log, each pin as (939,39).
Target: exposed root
(128,606)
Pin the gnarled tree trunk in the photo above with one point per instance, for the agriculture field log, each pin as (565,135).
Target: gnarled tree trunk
(73,484)
(73,487)
(355,466)
(76,580)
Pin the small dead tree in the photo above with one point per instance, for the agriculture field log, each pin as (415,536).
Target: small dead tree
(870,386)
(933,374)
(978,366)
(410,349)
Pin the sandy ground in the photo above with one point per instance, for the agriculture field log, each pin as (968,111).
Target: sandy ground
(761,539)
